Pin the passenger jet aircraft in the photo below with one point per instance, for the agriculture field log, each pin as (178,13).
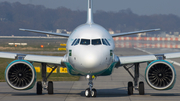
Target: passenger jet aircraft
(90,53)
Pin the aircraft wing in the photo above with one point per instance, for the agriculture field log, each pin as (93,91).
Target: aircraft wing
(45,32)
(135,32)
(124,60)
(34,58)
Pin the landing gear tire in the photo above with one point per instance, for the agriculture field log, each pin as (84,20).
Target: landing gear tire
(94,92)
(130,88)
(39,88)
(50,87)
(87,92)
(141,88)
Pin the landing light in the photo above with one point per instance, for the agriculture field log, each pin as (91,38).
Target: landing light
(88,76)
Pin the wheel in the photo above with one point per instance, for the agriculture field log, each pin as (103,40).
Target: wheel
(50,87)
(39,88)
(130,88)
(141,88)
(94,92)
(87,92)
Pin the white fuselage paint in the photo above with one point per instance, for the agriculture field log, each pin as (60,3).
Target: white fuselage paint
(90,58)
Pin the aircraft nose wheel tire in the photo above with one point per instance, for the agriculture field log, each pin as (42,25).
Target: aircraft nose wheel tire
(141,88)
(93,93)
(88,93)
(50,87)
(130,88)
(39,88)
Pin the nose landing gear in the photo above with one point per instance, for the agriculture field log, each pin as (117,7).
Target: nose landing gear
(90,92)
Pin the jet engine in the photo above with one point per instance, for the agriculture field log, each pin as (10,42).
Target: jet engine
(20,75)
(160,75)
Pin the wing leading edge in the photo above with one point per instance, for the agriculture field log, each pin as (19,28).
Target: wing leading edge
(135,32)
(124,60)
(45,32)
(35,58)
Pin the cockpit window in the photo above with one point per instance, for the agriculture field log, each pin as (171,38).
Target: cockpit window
(77,42)
(104,42)
(85,42)
(96,42)
(73,42)
(93,42)
(107,42)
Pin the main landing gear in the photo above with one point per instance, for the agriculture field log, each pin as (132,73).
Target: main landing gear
(44,85)
(90,92)
(132,87)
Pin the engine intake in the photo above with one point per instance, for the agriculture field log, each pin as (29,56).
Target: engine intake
(160,75)
(20,75)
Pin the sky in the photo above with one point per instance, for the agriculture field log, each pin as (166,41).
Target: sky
(140,7)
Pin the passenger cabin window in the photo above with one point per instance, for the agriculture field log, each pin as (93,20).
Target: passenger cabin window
(85,42)
(96,42)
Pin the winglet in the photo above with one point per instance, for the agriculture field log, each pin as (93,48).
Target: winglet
(90,12)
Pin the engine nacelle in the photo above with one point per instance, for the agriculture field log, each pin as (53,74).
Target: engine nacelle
(160,75)
(20,75)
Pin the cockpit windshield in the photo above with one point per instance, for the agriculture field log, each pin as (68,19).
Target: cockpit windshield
(107,42)
(75,42)
(96,42)
(103,41)
(85,42)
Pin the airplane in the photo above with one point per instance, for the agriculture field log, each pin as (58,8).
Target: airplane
(90,53)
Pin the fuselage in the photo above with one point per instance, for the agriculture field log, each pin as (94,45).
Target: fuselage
(90,49)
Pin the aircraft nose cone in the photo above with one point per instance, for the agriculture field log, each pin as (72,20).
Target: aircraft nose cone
(90,61)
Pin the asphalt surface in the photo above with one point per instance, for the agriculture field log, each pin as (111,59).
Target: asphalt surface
(113,87)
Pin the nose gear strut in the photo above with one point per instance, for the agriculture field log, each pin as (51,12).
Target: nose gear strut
(90,92)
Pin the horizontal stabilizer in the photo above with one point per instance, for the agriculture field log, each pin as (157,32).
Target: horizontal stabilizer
(45,32)
(135,32)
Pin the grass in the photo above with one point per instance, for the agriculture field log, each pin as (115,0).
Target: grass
(32,44)
(51,45)
(54,76)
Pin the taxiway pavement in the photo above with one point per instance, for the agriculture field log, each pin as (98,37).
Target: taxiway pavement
(109,88)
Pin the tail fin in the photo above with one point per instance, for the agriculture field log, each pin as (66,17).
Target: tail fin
(90,12)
